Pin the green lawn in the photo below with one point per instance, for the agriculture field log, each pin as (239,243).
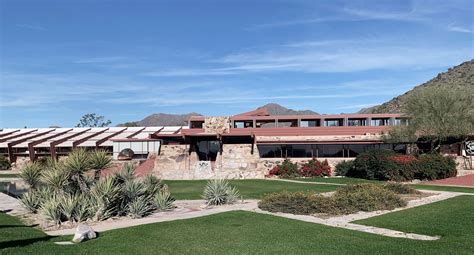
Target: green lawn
(250,233)
(249,189)
(9,176)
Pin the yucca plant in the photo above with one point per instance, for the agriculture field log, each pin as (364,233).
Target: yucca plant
(106,198)
(56,178)
(152,184)
(77,164)
(127,173)
(30,174)
(51,209)
(68,206)
(219,192)
(44,193)
(163,200)
(30,201)
(140,207)
(130,190)
(99,160)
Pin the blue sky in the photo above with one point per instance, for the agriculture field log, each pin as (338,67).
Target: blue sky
(128,59)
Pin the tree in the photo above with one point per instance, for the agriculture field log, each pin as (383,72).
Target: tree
(436,115)
(93,120)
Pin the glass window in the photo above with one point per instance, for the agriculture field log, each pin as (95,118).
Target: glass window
(330,150)
(302,151)
(400,122)
(357,122)
(310,123)
(270,151)
(243,124)
(287,123)
(265,124)
(379,122)
(333,122)
(355,149)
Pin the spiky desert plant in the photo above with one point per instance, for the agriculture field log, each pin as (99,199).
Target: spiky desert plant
(51,209)
(30,201)
(130,190)
(163,200)
(56,178)
(68,206)
(99,160)
(140,207)
(106,198)
(219,192)
(30,173)
(77,164)
(44,193)
(152,184)
(127,173)
(83,208)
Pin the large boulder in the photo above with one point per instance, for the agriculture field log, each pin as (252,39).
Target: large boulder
(126,154)
(83,233)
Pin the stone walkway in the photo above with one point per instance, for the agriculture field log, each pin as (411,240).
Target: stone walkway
(11,205)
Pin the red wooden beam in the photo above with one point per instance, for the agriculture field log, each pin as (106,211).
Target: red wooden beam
(136,133)
(76,143)
(17,135)
(9,133)
(31,146)
(11,144)
(101,141)
(52,145)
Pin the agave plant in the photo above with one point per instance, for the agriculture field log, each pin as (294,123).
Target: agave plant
(152,184)
(163,200)
(99,160)
(106,198)
(140,207)
(219,192)
(30,174)
(127,173)
(30,201)
(51,209)
(68,206)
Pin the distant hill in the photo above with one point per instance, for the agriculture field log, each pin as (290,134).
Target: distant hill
(162,119)
(458,76)
(276,109)
(165,119)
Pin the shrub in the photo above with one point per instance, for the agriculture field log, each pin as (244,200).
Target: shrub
(4,163)
(297,203)
(346,200)
(163,200)
(127,173)
(400,188)
(219,192)
(83,208)
(343,167)
(55,178)
(30,201)
(30,174)
(285,169)
(315,168)
(152,184)
(435,166)
(366,197)
(388,165)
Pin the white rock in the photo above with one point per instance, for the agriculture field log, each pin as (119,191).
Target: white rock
(83,233)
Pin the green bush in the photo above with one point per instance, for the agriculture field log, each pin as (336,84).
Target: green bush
(343,167)
(366,197)
(4,163)
(31,173)
(388,165)
(30,201)
(297,203)
(346,200)
(163,200)
(400,188)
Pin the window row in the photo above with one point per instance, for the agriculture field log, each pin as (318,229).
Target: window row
(322,150)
